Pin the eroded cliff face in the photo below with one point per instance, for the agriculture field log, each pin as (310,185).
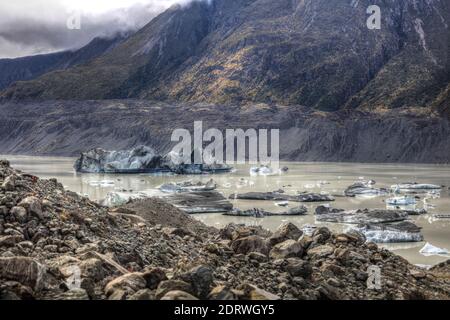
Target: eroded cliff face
(317,53)
(67,128)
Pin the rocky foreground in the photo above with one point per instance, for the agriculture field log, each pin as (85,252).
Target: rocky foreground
(55,244)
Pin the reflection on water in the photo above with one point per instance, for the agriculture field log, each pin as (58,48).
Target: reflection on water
(331,178)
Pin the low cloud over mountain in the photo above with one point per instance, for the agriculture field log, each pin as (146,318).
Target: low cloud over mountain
(40,26)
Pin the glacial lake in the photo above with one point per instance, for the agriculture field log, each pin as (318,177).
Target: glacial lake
(333,178)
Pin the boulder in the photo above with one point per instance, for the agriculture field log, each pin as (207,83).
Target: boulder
(24,270)
(9,184)
(178,295)
(250,244)
(142,295)
(201,279)
(172,285)
(286,249)
(321,235)
(73,295)
(129,283)
(297,267)
(322,251)
(235,231)
(10,241)
(93,269)
(285,232)
(20,214)
(257,256)
(154,277)
(252,292)
(222,293)
(33,205)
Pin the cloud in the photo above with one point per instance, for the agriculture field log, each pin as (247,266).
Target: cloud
(40,26)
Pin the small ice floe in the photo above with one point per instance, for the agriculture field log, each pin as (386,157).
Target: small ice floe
(114,199)
(321,183)
(102,183)
(364,189)
(308,229)
(410,208)
(282,203)
(266,171)
(401,201)
(227,185)
(409,187)
(424,266)
(188,186)
(430,250)
(441,216)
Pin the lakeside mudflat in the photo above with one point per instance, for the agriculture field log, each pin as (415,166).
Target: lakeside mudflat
(331,178)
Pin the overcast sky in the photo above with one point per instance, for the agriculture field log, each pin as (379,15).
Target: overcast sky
(40,26)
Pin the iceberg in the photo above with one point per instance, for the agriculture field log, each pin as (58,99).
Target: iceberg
(364,188)
(430,250)
(391,233)
(102,183)
(188,186)
(138,160)
(282,203)
(141,160)
(267,171)
(114,199)
(366,216)
(414,187)
(260,213)
(401,201)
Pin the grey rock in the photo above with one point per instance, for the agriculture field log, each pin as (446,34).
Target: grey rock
(299,268)
(172,285)
(285,232)
(286,249)
(201,279)
(178,295)
(129,283)
(250,244)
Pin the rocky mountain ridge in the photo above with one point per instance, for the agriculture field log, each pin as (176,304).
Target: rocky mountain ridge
(29,68)
(315,53)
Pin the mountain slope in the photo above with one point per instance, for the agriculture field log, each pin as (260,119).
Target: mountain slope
(317,53)
(28,68)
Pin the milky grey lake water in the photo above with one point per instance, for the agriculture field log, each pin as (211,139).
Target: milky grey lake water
(332,178)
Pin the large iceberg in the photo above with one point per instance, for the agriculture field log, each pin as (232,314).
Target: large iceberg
(141,160)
